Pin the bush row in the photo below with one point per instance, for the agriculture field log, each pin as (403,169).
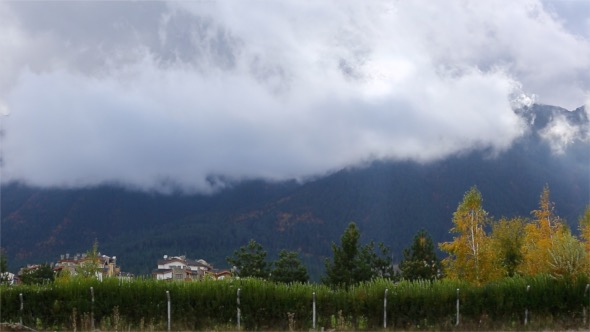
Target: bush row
(142,304)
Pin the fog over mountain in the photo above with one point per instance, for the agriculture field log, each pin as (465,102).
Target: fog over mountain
(172,127)
(188,95)
(390,201)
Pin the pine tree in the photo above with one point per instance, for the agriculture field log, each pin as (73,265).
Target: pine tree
(344,270)
(3,267)
(288,268)
(250,261)
(352,263)
(420,261)
(379,259)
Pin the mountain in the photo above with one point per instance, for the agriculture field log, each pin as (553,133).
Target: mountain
(389,200)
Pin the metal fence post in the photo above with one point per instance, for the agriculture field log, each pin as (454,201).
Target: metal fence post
(458,315)
(22,307)
(92,308)
(169,310)
(584,307)
(526,310)
(238,302)
(314,313)
(385,309)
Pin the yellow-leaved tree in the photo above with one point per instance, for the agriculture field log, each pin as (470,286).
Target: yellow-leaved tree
(584,226)
(540,236)
(470,257)
(507,240)
(567,257)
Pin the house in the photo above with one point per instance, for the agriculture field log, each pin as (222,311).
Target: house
(223,274)
(106,266)
(181,268)
(29,268)
(8,278)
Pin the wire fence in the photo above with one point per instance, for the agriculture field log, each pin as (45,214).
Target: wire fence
(250,304)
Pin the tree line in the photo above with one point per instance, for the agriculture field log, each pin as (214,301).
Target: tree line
(483,249)
(351,262)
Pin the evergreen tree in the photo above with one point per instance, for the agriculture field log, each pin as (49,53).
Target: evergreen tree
(3,267)
(250,261)
(288,268)
(352,263)
(343,270)
(380,262)
(420,261)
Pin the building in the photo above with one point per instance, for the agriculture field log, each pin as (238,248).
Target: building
(8,278)
(182,269)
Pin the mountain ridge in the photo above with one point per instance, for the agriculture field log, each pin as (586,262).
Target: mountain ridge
(389,200)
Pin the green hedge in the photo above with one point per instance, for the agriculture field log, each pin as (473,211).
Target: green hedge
(142,305)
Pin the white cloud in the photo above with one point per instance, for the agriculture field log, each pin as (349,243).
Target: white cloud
(148,93)
(560,133)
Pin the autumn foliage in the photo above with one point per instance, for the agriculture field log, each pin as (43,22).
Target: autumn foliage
(470,257)
(542,244)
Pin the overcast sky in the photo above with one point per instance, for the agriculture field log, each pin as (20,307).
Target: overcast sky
(161,94)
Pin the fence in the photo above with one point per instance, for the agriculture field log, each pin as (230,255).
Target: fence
(258,305)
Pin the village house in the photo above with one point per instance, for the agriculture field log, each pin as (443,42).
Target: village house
(28,269)
(182,269)
(8,278)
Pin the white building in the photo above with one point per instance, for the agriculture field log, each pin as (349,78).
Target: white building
(180,268)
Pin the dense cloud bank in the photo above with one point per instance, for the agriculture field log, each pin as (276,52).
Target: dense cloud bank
(160,94)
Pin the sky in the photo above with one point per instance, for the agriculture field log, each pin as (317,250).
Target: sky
(184,95)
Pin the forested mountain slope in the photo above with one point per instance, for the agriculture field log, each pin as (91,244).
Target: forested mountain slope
(389,201)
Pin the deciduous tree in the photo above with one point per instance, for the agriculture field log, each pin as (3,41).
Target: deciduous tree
(90,267)
(470,257)
(584,226)
(567,257)
(42,274)
(540,236)
(507,241)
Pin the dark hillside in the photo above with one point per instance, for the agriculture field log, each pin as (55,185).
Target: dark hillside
(390,201)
